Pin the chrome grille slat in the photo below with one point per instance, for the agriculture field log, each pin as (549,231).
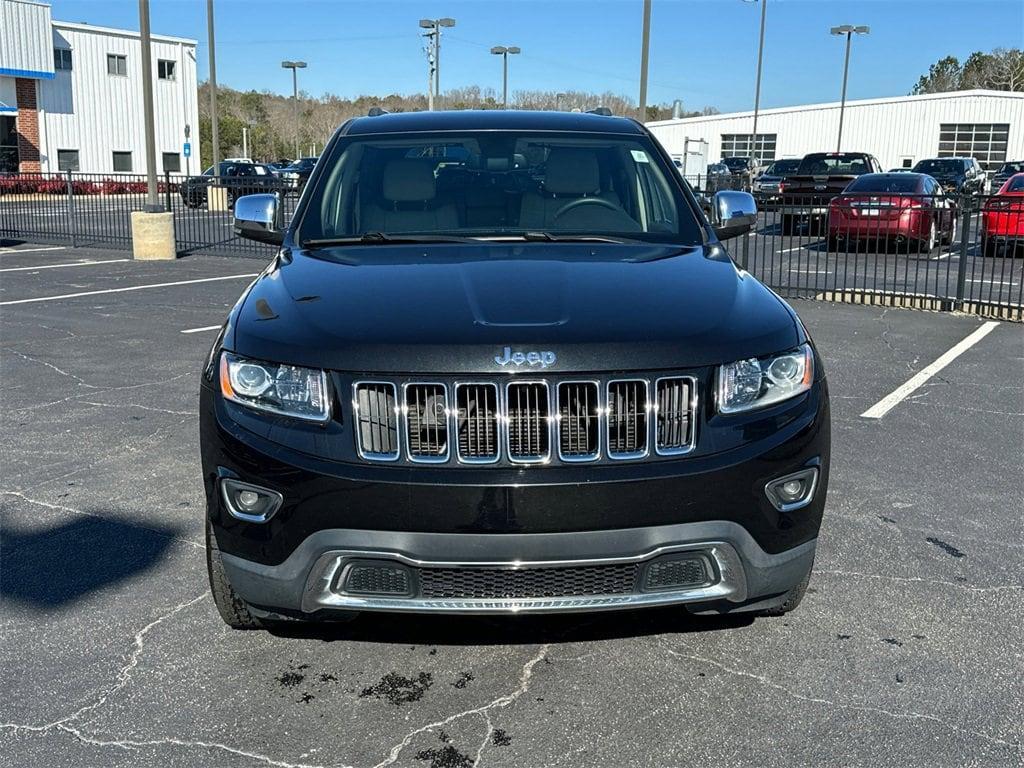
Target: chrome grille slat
(376,414)
(579,416)
(528,431)
(674,412)
(627,418)
(426,422)
(476,422)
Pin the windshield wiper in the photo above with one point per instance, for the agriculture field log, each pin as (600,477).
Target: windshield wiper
(547,237)
(382,238)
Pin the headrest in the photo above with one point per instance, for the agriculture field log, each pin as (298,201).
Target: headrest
(572,172)
(407,181)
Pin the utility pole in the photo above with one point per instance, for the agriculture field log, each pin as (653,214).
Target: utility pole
(849,30)
(213,90)
(152,199)
(757,88)
(433,36)
(645,45)
(245,141)
(295,66)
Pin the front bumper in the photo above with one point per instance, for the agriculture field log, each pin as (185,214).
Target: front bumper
(740,576)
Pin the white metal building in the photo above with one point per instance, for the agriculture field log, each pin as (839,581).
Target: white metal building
(71,96)
(986,125)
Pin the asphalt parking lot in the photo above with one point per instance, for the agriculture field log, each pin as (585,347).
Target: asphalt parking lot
(907,651)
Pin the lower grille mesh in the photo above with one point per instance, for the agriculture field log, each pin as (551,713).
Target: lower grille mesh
(495,583)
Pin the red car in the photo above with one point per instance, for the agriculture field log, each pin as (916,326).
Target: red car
(895,207)
(1002,218)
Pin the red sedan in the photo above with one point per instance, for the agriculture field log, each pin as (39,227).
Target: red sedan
(1002,218)
(896,207)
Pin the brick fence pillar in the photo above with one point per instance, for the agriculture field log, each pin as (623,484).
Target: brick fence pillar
(28,125)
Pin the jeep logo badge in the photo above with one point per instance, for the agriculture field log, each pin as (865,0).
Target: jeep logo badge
(542,359)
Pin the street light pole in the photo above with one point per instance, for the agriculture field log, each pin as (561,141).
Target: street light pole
(504,51)
(295,66)
(849,30)
(433,36)
(757,88)
(645,45)
(152,198)
(213,91)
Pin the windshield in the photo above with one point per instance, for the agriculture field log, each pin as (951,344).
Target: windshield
(781,167)
(1012,168)
(735,163)
(884,183)
(498,184)
(941,167)
(834,164)
(1016,184)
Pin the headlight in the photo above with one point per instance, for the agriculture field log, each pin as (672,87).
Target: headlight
(758,382)
(283,389)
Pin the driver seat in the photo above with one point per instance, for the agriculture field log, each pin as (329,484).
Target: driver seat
(571,174)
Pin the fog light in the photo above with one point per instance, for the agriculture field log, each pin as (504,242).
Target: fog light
(793,491)
(249,502)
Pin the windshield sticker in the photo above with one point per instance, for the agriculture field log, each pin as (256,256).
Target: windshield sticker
(639,156)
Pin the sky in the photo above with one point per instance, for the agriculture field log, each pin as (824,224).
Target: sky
(702,51)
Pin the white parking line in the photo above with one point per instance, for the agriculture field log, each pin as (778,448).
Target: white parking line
(123,290)
(890,401)
(969,280)
(58,266)
(30,250)
(204,328)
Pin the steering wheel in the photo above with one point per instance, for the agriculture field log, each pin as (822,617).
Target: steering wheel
(586,201)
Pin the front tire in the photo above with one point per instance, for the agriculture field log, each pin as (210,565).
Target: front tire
(793,598)
(232,608)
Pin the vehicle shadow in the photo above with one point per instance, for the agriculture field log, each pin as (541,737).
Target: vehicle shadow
(412,629)
(49,568)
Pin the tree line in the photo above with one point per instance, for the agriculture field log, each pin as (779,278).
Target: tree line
(270,117)
(1000,70)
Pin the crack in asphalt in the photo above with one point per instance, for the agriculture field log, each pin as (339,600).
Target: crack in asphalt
(764,680)
(113,521)
(525,676)
(919,579)
(81,382)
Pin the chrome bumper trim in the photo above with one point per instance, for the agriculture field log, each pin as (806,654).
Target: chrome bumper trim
(319,592)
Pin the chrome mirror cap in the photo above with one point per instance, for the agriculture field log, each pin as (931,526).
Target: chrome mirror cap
(733,214)
(258,217)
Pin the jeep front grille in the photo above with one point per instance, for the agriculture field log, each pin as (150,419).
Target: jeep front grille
(525,422)
(375,408)
(476,422)
(627,419)
(528,430)
(674,411)
(426,419)
(578,415)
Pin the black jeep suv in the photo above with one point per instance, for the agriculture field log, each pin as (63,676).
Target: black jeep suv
(501,363)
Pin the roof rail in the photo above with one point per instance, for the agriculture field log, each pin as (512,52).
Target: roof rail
(377,112)
(603,111)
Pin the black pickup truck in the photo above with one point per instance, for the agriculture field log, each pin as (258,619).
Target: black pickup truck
(820,177)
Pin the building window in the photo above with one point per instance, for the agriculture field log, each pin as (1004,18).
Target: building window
(172,162)
(117,64)
(985,142)
(739,145)
(8,145)
(67,159)
(165,69)
(62,59)
(122,162)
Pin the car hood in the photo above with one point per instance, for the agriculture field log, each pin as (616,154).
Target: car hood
(455,308)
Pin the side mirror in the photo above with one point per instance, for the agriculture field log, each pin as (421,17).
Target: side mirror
(258,217)
(732,214)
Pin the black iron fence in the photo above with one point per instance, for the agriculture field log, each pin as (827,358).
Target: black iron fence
(930,252)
